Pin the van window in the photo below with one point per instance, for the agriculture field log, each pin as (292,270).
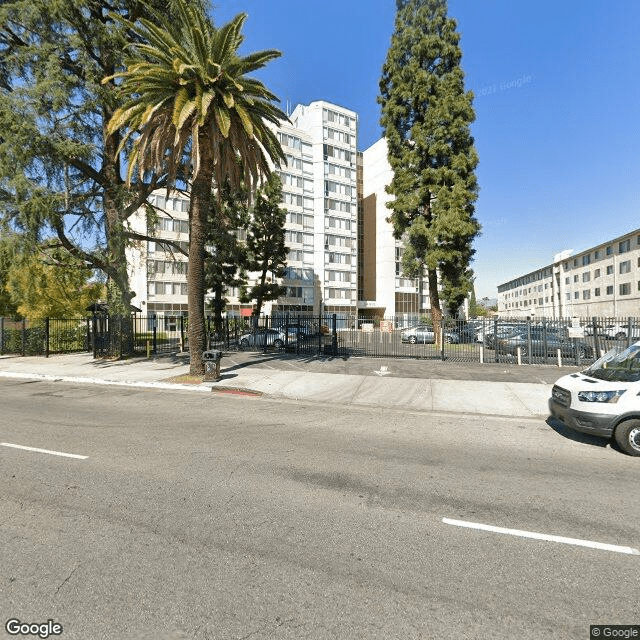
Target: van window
(617,366)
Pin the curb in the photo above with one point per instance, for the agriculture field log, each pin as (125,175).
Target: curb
(105,382)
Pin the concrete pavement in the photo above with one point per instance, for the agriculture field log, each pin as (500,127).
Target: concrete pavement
(416,385)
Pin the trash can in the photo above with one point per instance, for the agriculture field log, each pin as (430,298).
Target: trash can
(212,365)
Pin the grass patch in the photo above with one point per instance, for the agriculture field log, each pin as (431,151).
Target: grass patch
(186,378)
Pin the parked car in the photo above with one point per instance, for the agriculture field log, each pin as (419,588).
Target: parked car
(491,336)
(298,332)
(614,331)
(463,333)
(620,331)
(424,333)
(543,341)
(272,337)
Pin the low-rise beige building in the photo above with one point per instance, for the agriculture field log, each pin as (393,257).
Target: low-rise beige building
(601,281)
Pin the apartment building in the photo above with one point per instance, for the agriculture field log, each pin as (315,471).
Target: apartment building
(601,281)
(319,185)
(322,233)
(383,290)
(158,270)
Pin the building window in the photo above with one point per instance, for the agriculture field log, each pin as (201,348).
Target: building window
(567,280)
(625,288)
(596,255)
(575,278)
(609,250)
(596,292)
(586,260)
(576,295)
(609,269)
(586,294)
(586,276)
(610,290)
(625,267)
(596,274)
(624,246)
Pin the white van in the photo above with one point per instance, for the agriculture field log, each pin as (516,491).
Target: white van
(603,400)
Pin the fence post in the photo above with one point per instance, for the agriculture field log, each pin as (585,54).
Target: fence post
(298,340)
(1,335)
(46,337)
(155,335)
(529,338)
(286,331)
(94,328)
(181,333)
(629,326)
(267,326)
(24,337)
(334,339)
(442,339)
(596,338)
(319,334)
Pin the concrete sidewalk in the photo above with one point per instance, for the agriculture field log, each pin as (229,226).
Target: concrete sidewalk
(431,386)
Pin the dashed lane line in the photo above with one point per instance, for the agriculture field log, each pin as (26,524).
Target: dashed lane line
(53,453)
(543,536)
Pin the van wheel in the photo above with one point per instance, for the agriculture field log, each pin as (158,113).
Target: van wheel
(621,335)
(628,437)
(278,344)
(412,339)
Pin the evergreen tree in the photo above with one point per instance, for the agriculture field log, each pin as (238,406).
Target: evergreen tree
(426,117)
(7,257)
(59,170)
(226,260)
(267,251)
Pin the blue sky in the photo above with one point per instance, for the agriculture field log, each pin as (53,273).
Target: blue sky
(557,103)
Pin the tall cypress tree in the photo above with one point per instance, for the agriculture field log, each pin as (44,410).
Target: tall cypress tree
(426,117)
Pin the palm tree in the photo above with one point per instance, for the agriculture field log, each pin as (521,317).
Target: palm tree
(189,103)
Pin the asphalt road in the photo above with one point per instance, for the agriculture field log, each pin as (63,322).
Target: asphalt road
(234,517)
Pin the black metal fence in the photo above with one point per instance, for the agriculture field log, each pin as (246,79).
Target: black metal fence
(488,340)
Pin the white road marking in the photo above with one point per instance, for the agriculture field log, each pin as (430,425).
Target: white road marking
(543,536)
(53,453)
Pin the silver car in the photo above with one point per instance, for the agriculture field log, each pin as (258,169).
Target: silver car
(424,333)
(270,337)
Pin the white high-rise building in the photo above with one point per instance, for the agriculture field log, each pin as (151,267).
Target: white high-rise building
(331,132)
(319,184)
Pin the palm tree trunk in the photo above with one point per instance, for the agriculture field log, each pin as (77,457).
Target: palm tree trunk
(198,212)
